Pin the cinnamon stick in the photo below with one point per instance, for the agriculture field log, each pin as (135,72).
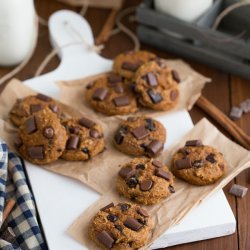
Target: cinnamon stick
(236,132)
(8,208)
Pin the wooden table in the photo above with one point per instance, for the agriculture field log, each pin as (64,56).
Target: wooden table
(224,91)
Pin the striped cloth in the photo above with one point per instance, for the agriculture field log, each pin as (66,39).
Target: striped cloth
(20,230)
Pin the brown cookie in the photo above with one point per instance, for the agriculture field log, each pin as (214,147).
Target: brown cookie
(125,226)
(127,63)
(198,164)
(156,86)
(42,138)
(145,180)
(85,139)
(30,105)
(140,136)
(111,96)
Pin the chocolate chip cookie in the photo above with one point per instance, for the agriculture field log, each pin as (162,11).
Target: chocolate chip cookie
(42,138)
(111,96)
(85,139)
(145,180)
(30,105)
(127,63)
(198,164)
(156,86)
(140,136)
(125,226)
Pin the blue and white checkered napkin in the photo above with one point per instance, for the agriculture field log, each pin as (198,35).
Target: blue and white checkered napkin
(20,230)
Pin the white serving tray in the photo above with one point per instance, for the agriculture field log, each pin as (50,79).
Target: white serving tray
(60,200)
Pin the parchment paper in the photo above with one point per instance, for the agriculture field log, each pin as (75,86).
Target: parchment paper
(192,83)
(169,212)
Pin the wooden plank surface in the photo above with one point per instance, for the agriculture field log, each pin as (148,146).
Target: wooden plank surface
(224,91)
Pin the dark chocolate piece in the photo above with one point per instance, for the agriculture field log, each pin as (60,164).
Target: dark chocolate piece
(210,158)
(154,148)
(155,97)
(238,190)
(157,164)
(194,143)
(171,189)
(86,122)
(36,152)
(140,132)
(235,113)
(18,142)
(112,217)
(133,224)
(198,163)
(89,85)
(30,125)
(107,206)
(72,142)
(54,108)
(146,185)
(48,132)
(183,164)
(124,207)
(142,212)
(151,79)
(119,137)
(176,76)
(163,174)
(121,101)
(85,150)
(140,166)
(119,227)
(150,124)
(132,182)
(44,98)
(35,108)
(74,130)
(174,94)
(126,172)
(184,151)
(114,79)
(94,133)
(100,94)
(131,66)
(105,238)
(119,89)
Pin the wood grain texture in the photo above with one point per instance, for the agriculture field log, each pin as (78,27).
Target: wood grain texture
(224,91)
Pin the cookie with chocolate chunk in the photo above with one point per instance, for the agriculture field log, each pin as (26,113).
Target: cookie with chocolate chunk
(145,180)
(42,138)
(127,63)
(30,105)
(140,136)
(111,96)
(85,139)
(156,86)
(198,164)
(124,226)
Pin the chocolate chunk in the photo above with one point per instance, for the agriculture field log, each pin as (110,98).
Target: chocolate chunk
(72,142)
(89,85)
(174,94)
(140,166)
(44,98)
(235,113)
(142,212)
(245,106)
(140,132)
(54,108)
(74,130)
(157,164)
(163,174)
(184,151)
(198,163)
(119,227)
(18,142)
(131,66)
(114,79)
(85,150)
(146,185)
(36,152)
(154,148)
(112,217)
(132,182)
(119,89)
(176,76)
(155,97)
(127,172)
(107,206)
(94,133)
(194,143)
(210,158)
(119,137)
(86,122)
(30,125)
(150,124)
(171,189)
(124,207)
(183,164)
(100,94)
(121,101)
(238,190)
(35,108)
(105,238)
(151,79)
(48,132)
(133,224)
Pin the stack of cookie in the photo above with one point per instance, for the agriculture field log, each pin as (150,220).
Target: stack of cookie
(139,79)
(45,134)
